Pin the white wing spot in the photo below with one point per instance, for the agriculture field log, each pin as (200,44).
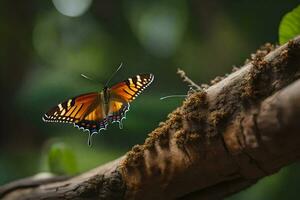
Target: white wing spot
(63,112)
(60,107)
(130,81)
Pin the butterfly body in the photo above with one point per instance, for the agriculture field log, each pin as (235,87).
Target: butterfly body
(94,111)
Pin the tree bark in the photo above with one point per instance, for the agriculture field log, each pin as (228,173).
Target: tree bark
(223,139)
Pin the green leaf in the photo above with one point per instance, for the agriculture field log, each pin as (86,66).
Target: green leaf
(61,160)
(289,26)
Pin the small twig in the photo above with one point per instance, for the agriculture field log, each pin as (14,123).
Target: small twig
(187,80)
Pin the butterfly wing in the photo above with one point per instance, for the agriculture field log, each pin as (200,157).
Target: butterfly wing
(94,121)
(123,93)
(129,89)
(117,111)
(84,111)
(88,111)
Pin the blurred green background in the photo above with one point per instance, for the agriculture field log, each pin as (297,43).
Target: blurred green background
(46,45)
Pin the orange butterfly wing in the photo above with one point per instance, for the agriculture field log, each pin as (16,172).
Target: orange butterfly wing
(117,111)
(129,89)
(123,93)
(85,111)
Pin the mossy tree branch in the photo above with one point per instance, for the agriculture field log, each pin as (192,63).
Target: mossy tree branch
(221,140)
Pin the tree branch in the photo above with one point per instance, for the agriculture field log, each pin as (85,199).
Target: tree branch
(220,141)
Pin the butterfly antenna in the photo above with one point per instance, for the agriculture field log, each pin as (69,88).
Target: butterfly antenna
(89,78)
(86,77)
(171,96)
(106,84)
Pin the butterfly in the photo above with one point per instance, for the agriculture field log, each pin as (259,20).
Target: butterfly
(94,111)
